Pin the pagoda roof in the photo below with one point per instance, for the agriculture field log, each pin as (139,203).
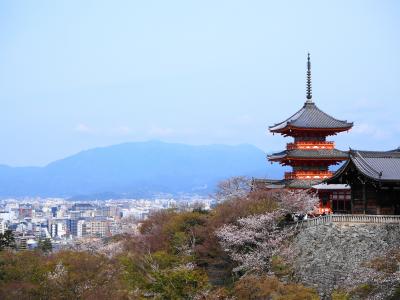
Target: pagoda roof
(301,183)
(333,154)
(377,165)
(285,183)
(262,183)
(311,117)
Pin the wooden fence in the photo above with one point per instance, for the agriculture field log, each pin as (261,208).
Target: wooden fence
(365,219)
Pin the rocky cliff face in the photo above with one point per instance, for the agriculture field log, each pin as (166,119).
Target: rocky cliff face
(334,256)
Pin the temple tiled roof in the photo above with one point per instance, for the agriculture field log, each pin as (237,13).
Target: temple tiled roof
(304,154)
(310,116)
(301,183)
(377,165)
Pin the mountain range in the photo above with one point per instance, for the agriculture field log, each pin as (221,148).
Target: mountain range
(139,169)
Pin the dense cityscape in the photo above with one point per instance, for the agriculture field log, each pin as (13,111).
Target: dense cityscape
(67,224)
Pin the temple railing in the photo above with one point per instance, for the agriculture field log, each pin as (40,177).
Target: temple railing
(308,174)
(310,145)
(361,219)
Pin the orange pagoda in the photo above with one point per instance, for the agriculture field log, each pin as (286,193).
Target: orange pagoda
(310,153)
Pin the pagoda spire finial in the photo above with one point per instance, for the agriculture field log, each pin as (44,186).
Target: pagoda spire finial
(309,89)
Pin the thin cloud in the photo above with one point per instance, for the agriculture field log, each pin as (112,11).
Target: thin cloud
(83,128)
(365,104)
(123,130)
(245,119)
(371,131)
(157,131)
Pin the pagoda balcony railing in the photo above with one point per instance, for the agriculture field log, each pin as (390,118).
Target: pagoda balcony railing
(310,145)
(308,174)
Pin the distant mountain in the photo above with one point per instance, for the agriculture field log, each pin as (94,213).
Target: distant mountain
(138,169)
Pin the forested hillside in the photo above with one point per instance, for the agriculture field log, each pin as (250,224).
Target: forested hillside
(242,249)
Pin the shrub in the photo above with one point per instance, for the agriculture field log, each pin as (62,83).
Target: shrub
(279,267)
(363,291)
(63,275)
(340,295)
(388,264)
(262,287)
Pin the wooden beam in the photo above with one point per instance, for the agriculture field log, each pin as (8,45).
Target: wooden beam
(351,200)
(364,196)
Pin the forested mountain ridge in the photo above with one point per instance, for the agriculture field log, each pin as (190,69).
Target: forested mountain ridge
(140,169)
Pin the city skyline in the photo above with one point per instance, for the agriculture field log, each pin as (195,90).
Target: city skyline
(75,76)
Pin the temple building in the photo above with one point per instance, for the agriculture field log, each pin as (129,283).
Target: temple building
(310,153)
(367,183)
(374,178)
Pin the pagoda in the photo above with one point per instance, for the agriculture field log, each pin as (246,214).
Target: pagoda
(310,153)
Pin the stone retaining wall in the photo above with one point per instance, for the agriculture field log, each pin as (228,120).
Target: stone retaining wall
(330,255)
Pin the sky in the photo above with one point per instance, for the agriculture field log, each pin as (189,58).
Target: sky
(75,75)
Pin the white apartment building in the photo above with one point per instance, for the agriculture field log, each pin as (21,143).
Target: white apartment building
(3,226)
(81,228)
(93,228)
(58,229)
(8,215)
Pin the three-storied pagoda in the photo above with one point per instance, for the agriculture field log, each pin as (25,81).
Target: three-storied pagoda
(310,154)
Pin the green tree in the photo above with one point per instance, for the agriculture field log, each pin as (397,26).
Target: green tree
(163,276)
(22,274)
(45,245)
(179,283)
(7,240)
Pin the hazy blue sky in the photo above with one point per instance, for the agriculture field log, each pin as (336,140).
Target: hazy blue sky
(81,74)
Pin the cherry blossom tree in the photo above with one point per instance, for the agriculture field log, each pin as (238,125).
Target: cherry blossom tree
(297,201)
(252,241)
(232,188)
